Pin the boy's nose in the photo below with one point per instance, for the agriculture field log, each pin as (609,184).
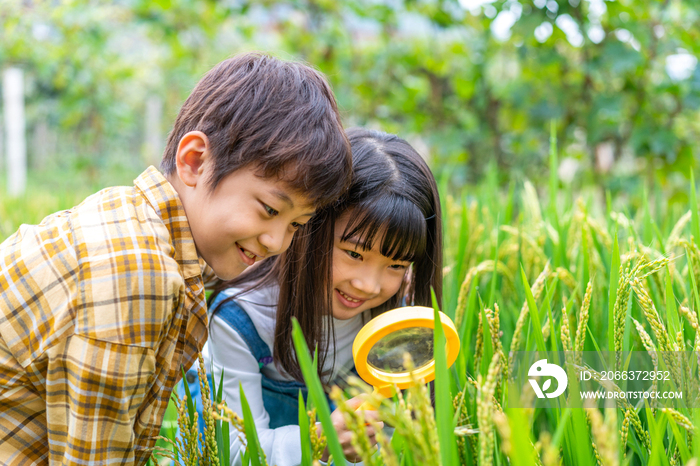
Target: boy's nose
(275,242)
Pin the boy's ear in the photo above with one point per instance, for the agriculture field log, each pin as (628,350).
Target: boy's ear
(192,152)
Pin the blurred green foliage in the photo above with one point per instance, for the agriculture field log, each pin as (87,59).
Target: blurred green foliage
(471,84)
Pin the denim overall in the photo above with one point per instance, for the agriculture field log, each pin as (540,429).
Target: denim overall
(280,398)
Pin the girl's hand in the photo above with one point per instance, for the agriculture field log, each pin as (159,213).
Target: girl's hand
(344,435)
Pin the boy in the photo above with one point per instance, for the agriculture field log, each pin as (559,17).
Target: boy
(101,305)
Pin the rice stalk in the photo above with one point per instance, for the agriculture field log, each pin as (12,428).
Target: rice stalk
(537,289)
(565,277)
(658,328)
(500,421)
(483,267)
(548,455)
(605,441)
(649,346)
(624,431)
(355,422)
(386,451)
(674,236)
(318,441)
(565,333)
(679,418)
(533,252)
(623,404)
(484,410)
(582,323)
(620,312)
(210,451)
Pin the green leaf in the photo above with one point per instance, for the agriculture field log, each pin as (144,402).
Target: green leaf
(694,220)
(443,398)
(494,276)
(612,291)
(316,392)
(487,349)
(520,438)
(257,455)
(190,404)
(304,432)
(681,441)
(674,321)
(693,285)
(534,313)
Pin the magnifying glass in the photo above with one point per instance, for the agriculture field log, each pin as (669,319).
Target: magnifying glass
(379,348)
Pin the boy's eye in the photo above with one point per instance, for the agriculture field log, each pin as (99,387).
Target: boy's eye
(354,254)
(270,211)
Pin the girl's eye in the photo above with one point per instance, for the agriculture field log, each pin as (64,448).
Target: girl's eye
(354,254)
(398,267)
(270,211)
(297,225)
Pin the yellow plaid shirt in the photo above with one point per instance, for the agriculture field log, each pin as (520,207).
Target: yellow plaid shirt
(100,305)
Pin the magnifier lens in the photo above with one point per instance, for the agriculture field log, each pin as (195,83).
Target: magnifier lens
(387,354)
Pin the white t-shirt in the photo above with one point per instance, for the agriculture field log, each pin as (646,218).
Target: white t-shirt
(227,351)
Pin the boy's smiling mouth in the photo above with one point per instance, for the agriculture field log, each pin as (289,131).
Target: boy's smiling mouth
(248,257)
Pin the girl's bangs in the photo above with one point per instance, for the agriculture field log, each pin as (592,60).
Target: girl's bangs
(397,223)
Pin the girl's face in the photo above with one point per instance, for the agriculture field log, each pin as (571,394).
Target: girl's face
(362,279)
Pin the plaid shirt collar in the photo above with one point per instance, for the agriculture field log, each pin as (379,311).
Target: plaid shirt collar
(166,202)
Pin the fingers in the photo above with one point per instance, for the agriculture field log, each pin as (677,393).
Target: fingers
(355,401)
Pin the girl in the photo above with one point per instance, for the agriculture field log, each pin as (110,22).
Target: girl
(378,247)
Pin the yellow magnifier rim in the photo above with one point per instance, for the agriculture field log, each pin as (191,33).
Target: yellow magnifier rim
(389,322)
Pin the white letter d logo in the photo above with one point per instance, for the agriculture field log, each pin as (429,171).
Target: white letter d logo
(542,368)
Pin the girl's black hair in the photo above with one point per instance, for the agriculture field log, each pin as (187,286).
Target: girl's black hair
(395,204)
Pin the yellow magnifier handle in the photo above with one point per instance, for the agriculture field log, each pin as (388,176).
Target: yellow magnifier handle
(367,406)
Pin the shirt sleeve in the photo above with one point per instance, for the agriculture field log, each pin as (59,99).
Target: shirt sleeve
(230,353)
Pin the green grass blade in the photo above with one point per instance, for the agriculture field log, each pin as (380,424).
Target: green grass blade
(612,291)
(657,429)
(521,443)
(461,265)
(693,285)
(316,391)
(696,422)
(694,220)
(534,313)
(190,403)
(226,443)
(494,276)
(553,167)
(487,349)
(304,432)
(257,456)
(547,309)
(680,440)
(222,439)
(674,321)
(443,398)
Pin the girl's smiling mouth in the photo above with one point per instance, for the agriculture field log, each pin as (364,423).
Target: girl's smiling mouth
(348,300)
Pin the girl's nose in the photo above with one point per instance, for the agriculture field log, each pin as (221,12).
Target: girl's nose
(367,283)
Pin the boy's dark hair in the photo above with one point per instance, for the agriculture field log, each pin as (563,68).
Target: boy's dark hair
(395,204)
(278,115)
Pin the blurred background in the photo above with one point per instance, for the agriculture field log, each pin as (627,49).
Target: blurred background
(472,84)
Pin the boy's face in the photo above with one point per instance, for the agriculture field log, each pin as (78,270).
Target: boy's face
(244,220)
(362,278)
